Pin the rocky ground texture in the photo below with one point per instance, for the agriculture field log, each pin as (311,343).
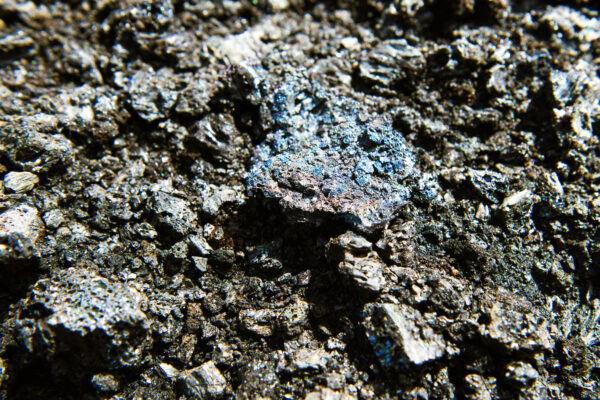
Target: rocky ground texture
(296,199)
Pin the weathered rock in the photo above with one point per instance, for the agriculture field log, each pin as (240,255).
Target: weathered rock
(153,93)
(88,322)
(577,94)
(357,262)
(392,63)
(31,142)
(328,158)
(173,213)
(205,381)
(401,336)
(20,182)
(514,323)
(20,231)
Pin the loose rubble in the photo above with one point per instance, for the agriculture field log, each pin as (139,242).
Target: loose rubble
(291,199)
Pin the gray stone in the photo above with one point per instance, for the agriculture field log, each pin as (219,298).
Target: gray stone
(88,321)
(309,359)
(205,381)
(153,93)
(401,336)
(31,143)
(214,197)
(393,62)
(357,262)
(411,7)
(20,231)
(259,322)
(54,218)
(105,383)
(20,182)
(173,213)
(577,94)
(521,374)
(514,323)
(167,370)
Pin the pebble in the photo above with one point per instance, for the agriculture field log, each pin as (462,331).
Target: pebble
(20,182)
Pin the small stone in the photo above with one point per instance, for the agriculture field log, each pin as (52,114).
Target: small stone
(205,381)
(393,62)
(54,218)
(358,263)
(478,387)
(521,374)
(488,184)
(201,263)
(20,182)
(335,344)
(309,359)
(153,93)
(483,212)
(145,230)
(30,143)
(105,383)
(278,5)
(350,43)
(20,230)
(293,319)
(173,213)
(91,321)
(233,49)
(514,323)
(200,245)
(401,336)
(517,198)
(167,370)
(410,8)
(214,197)
(259,322)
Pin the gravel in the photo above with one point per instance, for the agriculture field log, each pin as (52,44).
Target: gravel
(292,199)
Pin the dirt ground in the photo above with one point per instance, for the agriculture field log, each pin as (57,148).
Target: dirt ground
(297,199)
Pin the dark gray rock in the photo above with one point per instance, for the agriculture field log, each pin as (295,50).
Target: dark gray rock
(31,142)
(173,213)
(88,322)
(153,93)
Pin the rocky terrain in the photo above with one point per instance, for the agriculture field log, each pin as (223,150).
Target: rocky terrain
(297,199)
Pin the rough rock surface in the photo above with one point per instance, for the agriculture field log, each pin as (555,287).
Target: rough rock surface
(327,156)
(293,199)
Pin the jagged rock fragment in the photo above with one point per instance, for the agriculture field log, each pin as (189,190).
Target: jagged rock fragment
(327,157)
(205,381)
(87,322)
(357,262)
(20,231)
(401,336)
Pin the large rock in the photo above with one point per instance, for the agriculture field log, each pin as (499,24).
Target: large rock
(83,321)
(326,156)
